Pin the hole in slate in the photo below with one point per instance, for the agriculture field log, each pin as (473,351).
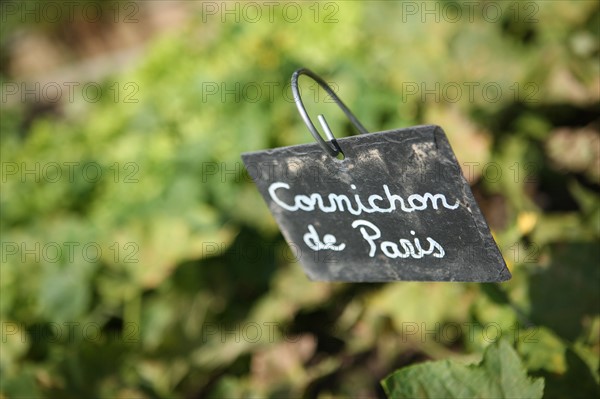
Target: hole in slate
(340,156)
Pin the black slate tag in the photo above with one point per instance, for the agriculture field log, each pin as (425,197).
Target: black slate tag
(396,208)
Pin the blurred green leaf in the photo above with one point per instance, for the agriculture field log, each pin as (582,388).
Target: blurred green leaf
(499,375)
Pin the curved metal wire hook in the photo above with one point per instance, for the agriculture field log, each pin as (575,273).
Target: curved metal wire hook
(335,150)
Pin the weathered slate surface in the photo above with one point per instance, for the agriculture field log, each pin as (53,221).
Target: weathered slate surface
(396,208)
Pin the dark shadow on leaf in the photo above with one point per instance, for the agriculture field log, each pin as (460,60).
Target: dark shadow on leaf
(238,274)
(567,291)
(577,382)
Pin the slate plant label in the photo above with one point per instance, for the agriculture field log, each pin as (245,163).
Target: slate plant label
(397,207)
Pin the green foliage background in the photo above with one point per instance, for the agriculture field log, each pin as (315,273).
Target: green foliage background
(210,259)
